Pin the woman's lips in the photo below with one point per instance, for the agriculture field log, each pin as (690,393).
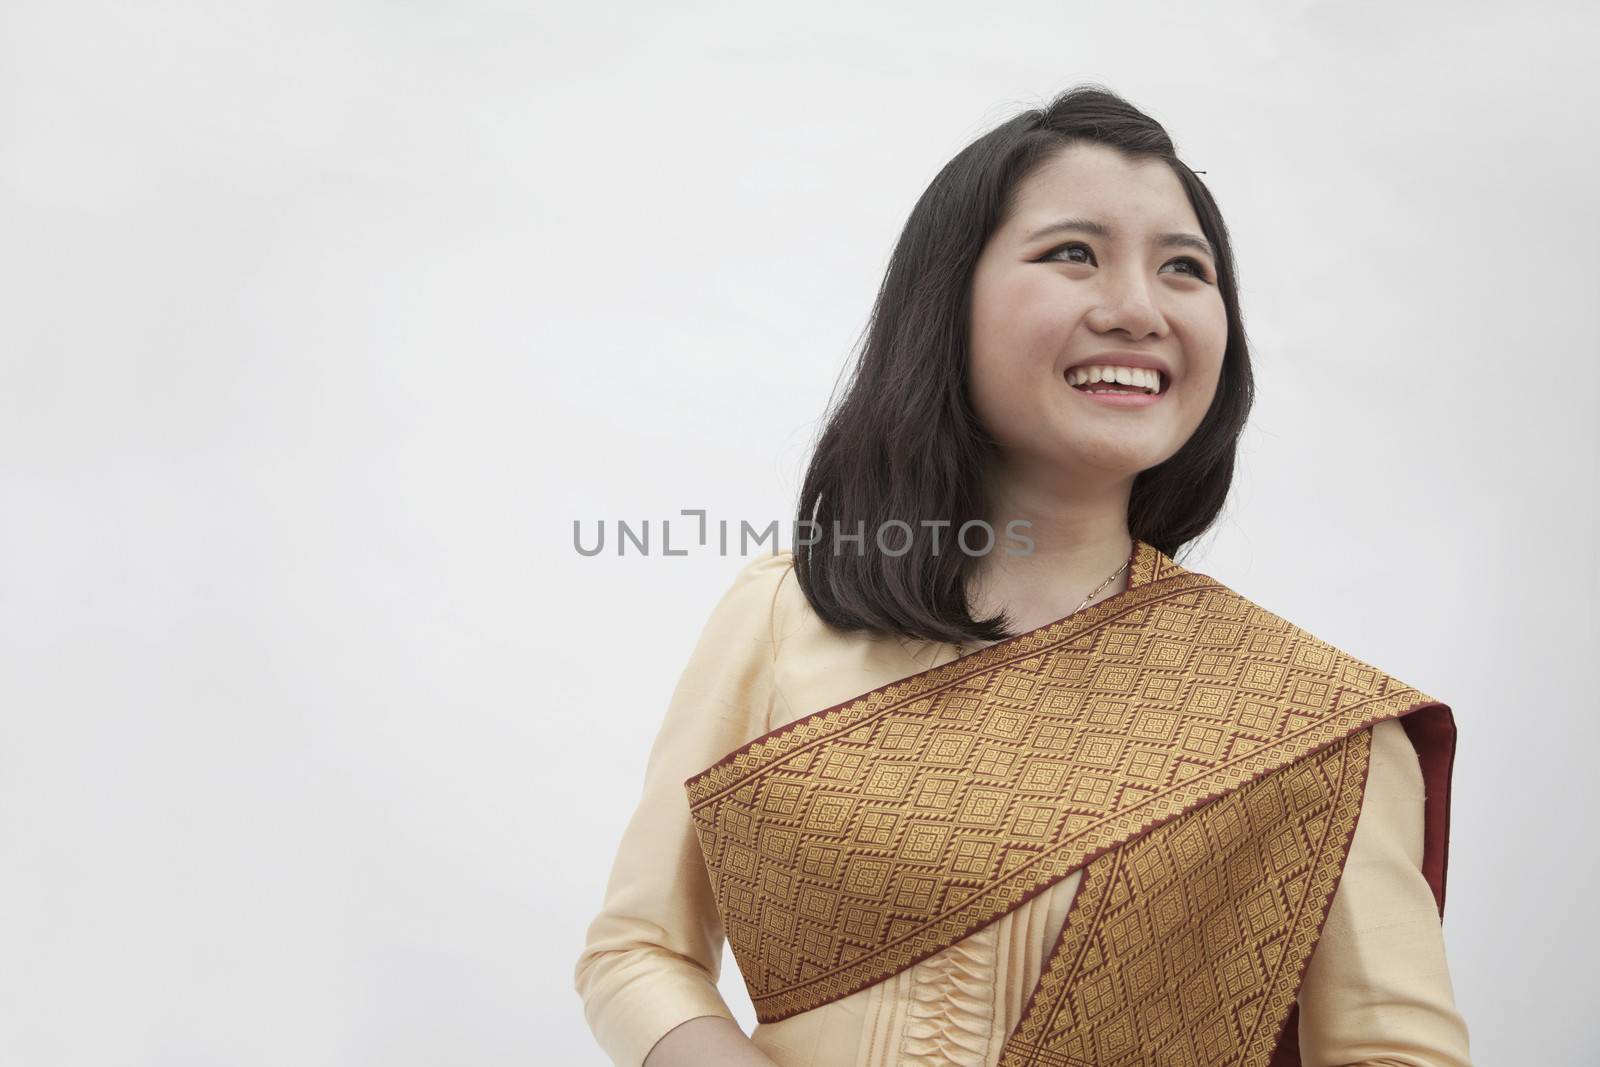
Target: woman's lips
(1121,396)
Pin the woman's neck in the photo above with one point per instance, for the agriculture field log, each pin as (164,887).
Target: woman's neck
(1078,542)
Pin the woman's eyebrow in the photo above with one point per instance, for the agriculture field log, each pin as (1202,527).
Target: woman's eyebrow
(1098,229)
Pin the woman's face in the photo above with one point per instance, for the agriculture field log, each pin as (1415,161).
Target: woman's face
(1114,278)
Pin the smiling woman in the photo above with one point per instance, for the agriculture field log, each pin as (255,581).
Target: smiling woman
(1136,293)
(1078,804)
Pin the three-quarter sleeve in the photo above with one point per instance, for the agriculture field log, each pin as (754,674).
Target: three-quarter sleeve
(652,956)
(1377,989)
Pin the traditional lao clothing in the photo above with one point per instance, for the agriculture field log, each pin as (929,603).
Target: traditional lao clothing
(1171,828)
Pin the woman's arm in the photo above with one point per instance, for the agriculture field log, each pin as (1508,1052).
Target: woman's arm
(1377,989)
(653,953)
(709,1041)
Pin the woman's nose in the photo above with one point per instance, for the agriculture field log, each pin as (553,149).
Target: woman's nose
(1127,305)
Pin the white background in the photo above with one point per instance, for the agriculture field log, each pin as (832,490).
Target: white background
(324,321)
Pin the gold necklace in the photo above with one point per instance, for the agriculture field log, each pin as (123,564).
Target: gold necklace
(1105,583)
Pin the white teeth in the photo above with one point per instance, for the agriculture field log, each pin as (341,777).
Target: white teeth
(1141,377)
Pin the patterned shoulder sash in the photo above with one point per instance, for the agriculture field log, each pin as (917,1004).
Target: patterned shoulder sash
(1202,758)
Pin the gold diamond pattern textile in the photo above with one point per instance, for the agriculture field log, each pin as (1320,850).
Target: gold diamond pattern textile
(1197,752)
(1187,945)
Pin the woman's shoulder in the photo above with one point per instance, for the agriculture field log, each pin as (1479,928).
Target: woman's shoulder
(769,582)
(765,575)
(767,566)
(1320,666)
(1292,642)
(759,588)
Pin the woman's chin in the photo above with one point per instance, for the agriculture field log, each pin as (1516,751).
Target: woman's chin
(1115,460)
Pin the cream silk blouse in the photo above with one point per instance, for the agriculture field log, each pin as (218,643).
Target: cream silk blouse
(1377,989)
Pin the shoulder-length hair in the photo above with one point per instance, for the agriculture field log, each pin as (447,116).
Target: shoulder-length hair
(904,447)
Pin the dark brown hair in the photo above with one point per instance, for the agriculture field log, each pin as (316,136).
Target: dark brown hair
(904,442)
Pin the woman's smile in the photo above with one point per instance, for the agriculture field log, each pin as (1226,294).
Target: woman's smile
(1115,384)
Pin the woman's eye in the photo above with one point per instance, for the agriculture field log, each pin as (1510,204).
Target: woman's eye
(1059,255)
(1072,247)
(1195,267)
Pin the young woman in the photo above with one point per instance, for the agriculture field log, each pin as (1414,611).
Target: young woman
(978,774)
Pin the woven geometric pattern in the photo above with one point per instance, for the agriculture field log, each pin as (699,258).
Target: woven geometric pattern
(859,839)
(1187,945)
